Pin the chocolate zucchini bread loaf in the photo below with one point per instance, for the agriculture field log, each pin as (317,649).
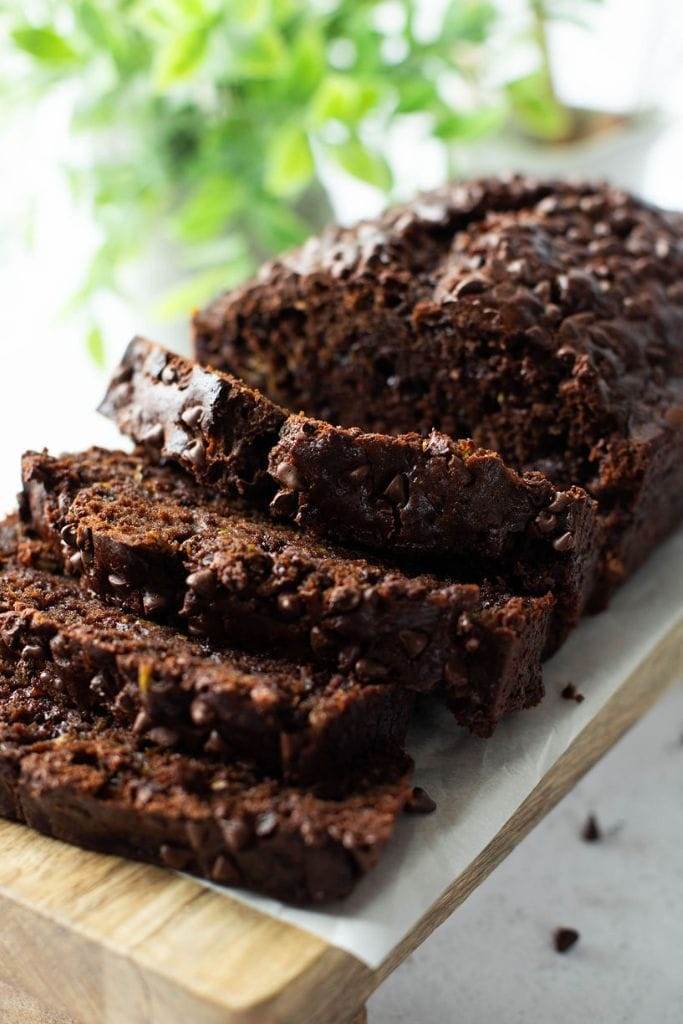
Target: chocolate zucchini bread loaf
(292,720)
(148,538)
(543,319)
(401,496)
(78,778)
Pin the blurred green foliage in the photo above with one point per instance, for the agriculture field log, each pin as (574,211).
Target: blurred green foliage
(211,120)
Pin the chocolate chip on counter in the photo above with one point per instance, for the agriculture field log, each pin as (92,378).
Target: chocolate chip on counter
(571,693)
(420,802)
(591,831)
(564,939)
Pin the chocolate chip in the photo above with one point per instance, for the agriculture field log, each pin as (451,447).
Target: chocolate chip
(98,686)
(564,543)
(163,737)
(359,474)
(420,802)
(591,831)
(559,502)
(68,535)
(283,504)
(546,521)
(265,824)
(32,652)
(397,489)
(191,416)
(174,857)
(201,712)
(413,641)
(368,669)
(454,674)
(236,833)
(317,639)
(571,693)
(224,871)
(116,581)
(75,563)
(153,603)
(343,599)
(472,285)
(472,644)
(215,744)
(142,722)
(287,475)
(564,939)
(152,435)
(194,453)
(203,581)
(169,374)
(289,605)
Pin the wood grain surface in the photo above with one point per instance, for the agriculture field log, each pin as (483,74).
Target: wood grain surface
(90,939)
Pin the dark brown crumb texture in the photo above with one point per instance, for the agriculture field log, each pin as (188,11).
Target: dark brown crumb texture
(542,318)
(78,778)
(405,496)
(149,539)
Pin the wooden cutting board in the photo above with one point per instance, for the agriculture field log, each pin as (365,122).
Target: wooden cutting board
(89,939)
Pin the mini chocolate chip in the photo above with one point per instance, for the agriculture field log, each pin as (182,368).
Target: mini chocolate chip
(68,535)
(472,285)
(142,722)
(224,871)
(215,744)
(397,489)
(546,521)
(153,603)
(194,452)
(564,939)
(343,599)
(289,605)
(191,416)
(98,687)
(454,675)
(236,833)
(163,737)
(319,642)
(413,641)
(203,581)
(420,802)
(75,563)
(153,435)
(559,502)
(465,624)
(564,543)
(169,374)
(174,857)
(201,712)
(265,824)
(472,644)
(591,831)
(571,693)
(33,652)
(116,581)
(287,475)
(359,474)
(368,669)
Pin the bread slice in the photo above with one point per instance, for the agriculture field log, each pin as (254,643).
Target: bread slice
(151,540)
(433,500)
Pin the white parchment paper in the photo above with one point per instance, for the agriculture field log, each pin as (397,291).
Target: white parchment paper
(478,784)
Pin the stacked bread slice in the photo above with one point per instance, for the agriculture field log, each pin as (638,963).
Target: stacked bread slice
(211,647)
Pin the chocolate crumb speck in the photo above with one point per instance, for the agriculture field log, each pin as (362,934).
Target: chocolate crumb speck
(571,693)
(420,802)
(565,938)
(591,831)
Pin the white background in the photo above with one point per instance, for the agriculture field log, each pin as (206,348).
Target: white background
(493,960)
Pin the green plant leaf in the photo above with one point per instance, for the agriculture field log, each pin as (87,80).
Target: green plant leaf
(208,209)
(94,343)
(181,55)
(45,45)
(190,294)
(363,163)
(277,227)
(468,21)
(265,57)
(343,98)
(537,110)
(289,162)
(416,94)
(308,60)
(249,15)
(466,126)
